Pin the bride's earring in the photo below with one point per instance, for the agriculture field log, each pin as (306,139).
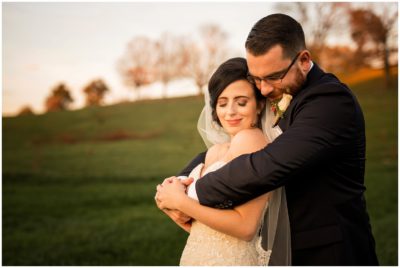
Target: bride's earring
(255,125)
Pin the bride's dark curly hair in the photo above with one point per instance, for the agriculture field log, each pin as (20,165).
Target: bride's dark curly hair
(230,71)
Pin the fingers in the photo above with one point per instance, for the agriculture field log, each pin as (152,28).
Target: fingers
(157,197)
(187,181)
(159,186)
(168,180)
(178,216)
(185,226)
(184,217)
(157,200)
(169,187)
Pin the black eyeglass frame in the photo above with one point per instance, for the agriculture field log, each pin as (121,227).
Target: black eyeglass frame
(271,79)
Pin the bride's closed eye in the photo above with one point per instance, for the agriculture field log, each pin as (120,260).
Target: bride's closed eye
(242,103)
(222,104)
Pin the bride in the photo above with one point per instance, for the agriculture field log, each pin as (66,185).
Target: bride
(230,125)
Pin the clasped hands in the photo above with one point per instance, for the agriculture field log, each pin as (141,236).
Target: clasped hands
(168,196)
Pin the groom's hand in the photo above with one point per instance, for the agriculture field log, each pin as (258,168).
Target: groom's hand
(185,181)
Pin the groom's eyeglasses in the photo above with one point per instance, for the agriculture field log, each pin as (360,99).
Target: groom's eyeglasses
(274,78)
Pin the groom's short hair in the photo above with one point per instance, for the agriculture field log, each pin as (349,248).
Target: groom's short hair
(276,29)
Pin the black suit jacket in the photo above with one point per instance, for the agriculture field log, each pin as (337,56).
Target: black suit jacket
(320,159)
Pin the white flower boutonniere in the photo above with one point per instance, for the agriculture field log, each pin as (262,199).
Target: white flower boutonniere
(279,106)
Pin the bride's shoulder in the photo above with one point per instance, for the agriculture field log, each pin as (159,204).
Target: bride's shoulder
(249,135)
(247,141)
(218,147)
(215,152)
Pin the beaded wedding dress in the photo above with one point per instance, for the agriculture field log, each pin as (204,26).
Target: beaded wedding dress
(208,247)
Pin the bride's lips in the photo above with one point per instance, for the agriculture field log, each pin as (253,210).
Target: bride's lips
(234,122)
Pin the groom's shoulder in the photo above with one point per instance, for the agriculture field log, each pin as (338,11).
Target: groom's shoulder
(328,98)
(326,89)
(327,83)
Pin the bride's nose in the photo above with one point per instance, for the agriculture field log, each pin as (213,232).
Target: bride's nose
(231,109)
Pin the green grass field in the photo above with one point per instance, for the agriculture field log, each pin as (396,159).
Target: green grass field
(78,186)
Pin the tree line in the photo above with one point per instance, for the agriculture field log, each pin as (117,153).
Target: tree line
(371,28)
(146,61)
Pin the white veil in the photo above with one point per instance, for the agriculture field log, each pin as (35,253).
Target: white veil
(275,227)
(209,130)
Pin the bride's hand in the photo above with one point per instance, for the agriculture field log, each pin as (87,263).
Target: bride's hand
(179,218)
(171,194)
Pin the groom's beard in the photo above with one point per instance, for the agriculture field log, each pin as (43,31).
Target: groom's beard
(291,89)
(297,84)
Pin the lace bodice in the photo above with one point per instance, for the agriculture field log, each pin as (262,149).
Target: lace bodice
(208,247)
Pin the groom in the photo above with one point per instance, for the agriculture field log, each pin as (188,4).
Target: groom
(319,157)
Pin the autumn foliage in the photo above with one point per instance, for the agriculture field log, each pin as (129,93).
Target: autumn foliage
(26,110)
(59,99)
(95,92)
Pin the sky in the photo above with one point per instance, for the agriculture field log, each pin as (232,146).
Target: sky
(48,43)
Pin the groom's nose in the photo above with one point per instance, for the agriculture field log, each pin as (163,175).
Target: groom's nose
(266,88)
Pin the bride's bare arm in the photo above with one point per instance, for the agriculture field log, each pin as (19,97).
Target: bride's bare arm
(242,221)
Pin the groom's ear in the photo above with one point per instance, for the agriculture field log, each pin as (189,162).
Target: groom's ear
(305,60)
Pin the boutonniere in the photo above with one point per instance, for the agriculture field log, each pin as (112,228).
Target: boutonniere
(279,106)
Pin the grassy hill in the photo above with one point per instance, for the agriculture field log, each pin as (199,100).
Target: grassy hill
(78,186)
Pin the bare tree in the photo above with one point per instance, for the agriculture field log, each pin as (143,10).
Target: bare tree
(372,32)
(204,57)
(170,59)
(59,98)
(95,92)
(137,64)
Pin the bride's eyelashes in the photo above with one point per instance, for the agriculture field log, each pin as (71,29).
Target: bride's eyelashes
(222,105)
(240,103)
